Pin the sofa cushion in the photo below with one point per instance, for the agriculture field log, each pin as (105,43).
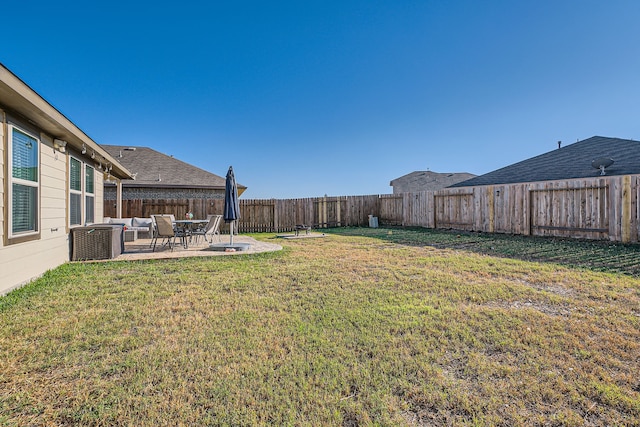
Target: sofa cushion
(126,221)
(141,222)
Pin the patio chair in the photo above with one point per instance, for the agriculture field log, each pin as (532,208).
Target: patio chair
(211,229)
(154,231)
(165,230)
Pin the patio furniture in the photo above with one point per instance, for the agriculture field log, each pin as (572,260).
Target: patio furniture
(130,235)
(164,229)
(98,241)
(211,229)
(154,228)
(154,231)
(186,227)
(306,228)
(133,226)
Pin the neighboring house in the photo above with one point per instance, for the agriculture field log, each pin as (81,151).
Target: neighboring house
(427,181)
(50,182)
(569,162)
(161,180)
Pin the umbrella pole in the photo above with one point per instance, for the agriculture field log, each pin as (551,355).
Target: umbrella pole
(231,233)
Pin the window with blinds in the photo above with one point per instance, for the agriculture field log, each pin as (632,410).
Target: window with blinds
(89,208)
(75,191)
(81,192)
(25,186)
(75,209)
(24,209)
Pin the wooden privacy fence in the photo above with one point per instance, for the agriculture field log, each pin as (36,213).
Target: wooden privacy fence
(593,208)
(268,215)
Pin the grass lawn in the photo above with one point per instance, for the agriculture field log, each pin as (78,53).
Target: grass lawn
(362,327)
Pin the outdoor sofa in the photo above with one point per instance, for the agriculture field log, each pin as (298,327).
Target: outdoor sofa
(133,227)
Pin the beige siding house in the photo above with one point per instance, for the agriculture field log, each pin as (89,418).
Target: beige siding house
(51,180)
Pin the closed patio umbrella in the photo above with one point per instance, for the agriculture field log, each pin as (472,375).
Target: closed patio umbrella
(231,204)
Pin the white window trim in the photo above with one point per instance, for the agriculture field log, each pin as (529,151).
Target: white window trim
(13,180)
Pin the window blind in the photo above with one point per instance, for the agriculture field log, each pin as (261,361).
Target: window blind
(24,208)
(88,179)
(75,209)
(24,156)
(75,175)
(89,215)
(24,178)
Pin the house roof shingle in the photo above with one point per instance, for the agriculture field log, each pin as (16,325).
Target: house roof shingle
(427,181)
(154,169)
(570,162)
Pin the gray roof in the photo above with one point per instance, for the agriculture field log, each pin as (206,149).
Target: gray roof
(570,162)
(427,181)
(154,169)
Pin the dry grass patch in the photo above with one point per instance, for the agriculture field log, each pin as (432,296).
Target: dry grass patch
(345,331)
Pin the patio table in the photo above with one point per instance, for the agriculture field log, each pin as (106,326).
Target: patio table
(187,226)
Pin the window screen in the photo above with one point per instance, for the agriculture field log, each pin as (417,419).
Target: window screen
(89,199)
(89,179)
(89,217)
(24,156)
(75,176)
(75,209)
(24,201)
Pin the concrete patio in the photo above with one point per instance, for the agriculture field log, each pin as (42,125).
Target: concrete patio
(141,250)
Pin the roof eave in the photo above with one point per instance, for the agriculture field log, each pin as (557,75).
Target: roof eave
(24,101)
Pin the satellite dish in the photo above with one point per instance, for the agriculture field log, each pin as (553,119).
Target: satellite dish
(601,163)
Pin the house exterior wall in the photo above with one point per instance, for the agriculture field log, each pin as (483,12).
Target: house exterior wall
(2,175)
(418,181)
(22,262)
(145,201)
(25,256)
(99,193)
(147,193)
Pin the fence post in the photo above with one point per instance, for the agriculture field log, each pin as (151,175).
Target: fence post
(276,217)
(626,209)
(435,209)
(492,208)
(324,211)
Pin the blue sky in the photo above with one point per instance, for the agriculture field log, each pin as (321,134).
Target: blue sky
(306,98)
